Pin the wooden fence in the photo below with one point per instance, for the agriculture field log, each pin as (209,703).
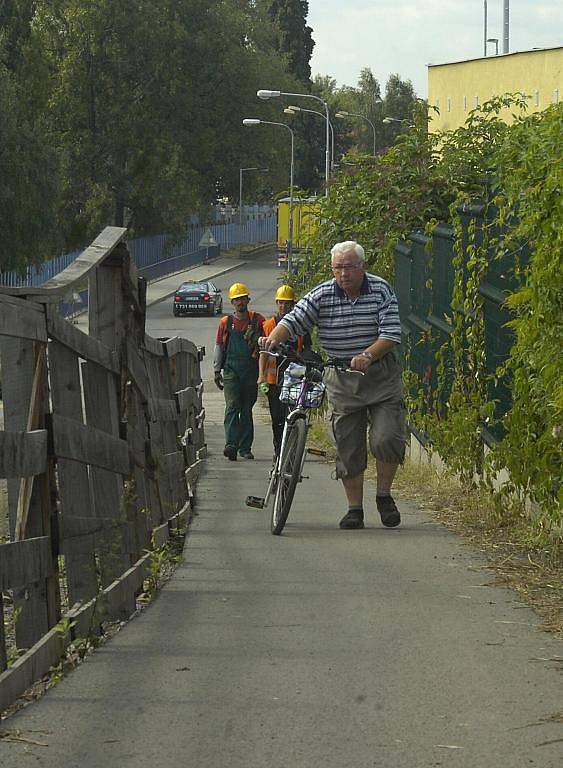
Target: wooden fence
(102,443)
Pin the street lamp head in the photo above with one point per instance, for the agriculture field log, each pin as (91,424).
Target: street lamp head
(293,108)
(342,113)
(290,111)
(265,95)
(251,121)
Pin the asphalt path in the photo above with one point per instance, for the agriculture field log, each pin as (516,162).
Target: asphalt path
(322,647)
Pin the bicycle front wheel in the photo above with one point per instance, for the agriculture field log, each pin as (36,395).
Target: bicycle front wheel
(291,462)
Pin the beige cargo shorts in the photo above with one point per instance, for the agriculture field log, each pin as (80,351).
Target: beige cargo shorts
(371,404)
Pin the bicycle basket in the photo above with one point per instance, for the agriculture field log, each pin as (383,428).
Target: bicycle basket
(314,393)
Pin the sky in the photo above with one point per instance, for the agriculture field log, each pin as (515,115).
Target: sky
(403,36)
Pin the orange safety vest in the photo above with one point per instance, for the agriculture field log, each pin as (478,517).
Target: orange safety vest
(226,325)
(271,362)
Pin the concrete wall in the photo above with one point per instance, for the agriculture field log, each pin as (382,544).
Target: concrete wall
(458,87)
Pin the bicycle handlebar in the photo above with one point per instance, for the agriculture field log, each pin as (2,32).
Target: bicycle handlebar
(288,353)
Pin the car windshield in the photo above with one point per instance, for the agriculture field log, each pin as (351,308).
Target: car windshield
(194,287)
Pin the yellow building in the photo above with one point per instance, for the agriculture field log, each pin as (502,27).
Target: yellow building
(460,86)
(305,213)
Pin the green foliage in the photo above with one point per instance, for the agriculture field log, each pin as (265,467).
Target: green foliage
(128,113)
(27,180)
(516,173)
(294,36)
(530,201)
(379,199)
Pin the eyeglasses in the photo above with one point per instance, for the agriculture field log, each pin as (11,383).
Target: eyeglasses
(346,268)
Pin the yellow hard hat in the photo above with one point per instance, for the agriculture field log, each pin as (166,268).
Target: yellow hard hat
(237,290)
(285,293)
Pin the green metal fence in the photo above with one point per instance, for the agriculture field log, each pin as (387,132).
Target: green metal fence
(424,285)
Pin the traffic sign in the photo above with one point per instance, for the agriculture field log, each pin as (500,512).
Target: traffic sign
(207,240)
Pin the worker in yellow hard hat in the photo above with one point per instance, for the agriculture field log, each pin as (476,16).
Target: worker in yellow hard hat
(270,373)
(235,364)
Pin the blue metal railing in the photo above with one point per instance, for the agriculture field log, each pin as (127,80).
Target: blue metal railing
(162,250)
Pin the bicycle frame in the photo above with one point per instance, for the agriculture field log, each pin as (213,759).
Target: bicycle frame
(299,411)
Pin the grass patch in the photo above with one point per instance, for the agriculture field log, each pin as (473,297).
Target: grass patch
(523,557)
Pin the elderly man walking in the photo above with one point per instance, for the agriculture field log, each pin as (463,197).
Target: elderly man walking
(357,317)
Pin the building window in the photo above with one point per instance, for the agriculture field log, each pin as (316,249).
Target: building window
(464,103)
(475,102)
(536,98)
(449,104)
(556,96)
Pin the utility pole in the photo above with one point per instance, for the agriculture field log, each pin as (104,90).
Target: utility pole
(484,27)
(505,26)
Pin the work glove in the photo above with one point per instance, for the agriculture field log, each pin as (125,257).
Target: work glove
(218,379)
(264,387)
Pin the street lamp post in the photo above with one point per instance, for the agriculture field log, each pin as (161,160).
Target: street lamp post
(342,114)
(262,170)
(291,110)
(495,41)
(265,95)
(390,120)
(254,121)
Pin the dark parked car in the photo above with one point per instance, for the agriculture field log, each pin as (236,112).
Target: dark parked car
(198,297)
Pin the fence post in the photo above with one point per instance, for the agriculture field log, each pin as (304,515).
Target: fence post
(24,391)
(107,311)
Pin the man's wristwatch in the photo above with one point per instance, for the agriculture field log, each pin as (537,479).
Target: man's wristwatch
(368,355)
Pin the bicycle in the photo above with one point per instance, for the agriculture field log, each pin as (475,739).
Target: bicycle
(303,392)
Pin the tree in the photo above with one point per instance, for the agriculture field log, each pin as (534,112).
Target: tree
(27,183)
(295,37)
(146,102)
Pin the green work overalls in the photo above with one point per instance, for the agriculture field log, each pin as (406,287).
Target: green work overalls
(240,373)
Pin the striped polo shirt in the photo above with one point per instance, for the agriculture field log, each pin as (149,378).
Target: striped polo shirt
(347,326)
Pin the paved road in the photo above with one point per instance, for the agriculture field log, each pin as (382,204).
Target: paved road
(320,648)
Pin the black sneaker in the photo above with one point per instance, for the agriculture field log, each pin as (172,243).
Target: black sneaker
(390,516)
(246,454)
(230,452)
(353,519)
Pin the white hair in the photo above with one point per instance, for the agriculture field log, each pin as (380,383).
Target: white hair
(346,247)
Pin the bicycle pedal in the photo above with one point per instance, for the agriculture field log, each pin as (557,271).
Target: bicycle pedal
(316,452)
(255,501)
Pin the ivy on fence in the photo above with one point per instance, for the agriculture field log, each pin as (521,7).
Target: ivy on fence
(516,172)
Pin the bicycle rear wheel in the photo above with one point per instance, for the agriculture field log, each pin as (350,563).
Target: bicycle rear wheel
(291,461)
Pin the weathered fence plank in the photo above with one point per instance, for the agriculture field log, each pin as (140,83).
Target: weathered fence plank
(30,667)
(18,363)
(23,454)
(187,398)
(88,445)
(22,319)
(85,346)
(162,410)
(177,344)
(3,652)
(74,484)
(25,562)
(83,536)
(102,412)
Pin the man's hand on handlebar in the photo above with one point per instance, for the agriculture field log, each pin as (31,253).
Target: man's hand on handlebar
(266,344)
(360,363)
